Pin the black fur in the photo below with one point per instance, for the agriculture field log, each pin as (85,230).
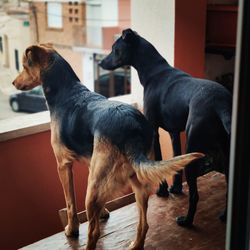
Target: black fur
(175,101)
(82,114)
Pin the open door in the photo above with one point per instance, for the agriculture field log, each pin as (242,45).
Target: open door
(238,224)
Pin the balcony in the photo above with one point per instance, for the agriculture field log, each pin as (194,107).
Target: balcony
(33,196)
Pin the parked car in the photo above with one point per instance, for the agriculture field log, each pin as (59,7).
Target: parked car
(121,84)
(29,101)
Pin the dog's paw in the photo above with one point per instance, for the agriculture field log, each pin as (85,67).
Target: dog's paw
(162,192)
(184,222)
(176,189)
(104,214)
(134,246)
(70,232)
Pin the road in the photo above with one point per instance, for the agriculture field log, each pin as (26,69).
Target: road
(5,109)
(6,89)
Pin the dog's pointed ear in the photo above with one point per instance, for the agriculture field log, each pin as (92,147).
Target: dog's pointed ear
(129,35)
(36,54)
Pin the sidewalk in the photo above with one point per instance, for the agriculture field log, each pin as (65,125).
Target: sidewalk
(6,89)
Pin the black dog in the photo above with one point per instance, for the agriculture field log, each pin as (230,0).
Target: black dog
(175,101)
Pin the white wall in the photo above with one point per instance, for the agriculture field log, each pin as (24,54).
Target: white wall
(88,70)
(18,37)
(154,20)
(110,13)
(102,13)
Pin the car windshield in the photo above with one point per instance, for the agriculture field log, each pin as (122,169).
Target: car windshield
(37,91)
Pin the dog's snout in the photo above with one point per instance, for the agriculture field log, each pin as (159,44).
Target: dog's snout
(13,83)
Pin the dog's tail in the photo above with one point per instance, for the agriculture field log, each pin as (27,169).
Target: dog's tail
(225,117)
(157,171)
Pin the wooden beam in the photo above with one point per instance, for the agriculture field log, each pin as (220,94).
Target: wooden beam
(111,206)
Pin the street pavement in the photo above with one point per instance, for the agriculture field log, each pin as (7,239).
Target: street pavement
(6,89)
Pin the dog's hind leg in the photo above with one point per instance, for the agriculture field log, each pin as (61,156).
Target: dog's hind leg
(141,195)
(94,206)
(191,177)
(223,215)
(100,182)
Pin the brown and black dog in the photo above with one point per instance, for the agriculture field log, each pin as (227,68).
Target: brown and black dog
(114,139)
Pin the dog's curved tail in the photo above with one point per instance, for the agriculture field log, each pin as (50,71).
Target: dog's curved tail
(156,171)
(225,117)
(224,112)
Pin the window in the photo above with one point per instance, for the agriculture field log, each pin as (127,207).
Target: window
(74,13)
(1,44)
(54,15)
(17,60)
(111,83)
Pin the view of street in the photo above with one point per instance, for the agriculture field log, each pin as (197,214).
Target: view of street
(6,89)
(5,109)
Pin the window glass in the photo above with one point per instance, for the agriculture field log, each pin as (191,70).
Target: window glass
(54,15)
(1,44)
(111,83)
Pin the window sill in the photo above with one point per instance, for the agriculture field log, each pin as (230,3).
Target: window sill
(39,122)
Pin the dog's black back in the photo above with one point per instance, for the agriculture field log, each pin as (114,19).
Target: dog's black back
(82,115)
(173,99)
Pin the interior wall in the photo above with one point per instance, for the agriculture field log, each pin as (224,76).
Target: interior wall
(154,20)
(31,193)
(190,28)
(217,65)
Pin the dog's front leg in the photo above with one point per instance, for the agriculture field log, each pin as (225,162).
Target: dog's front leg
(66,178)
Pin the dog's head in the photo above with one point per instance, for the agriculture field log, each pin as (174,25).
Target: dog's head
(36,59)
(122,51)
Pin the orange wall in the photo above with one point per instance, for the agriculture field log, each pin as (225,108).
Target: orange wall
(124,12)
(124,16)
(108,34)
(31,193)
(70,35)
(190,33)
(190,29)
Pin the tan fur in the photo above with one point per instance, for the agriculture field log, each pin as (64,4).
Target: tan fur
(155,172)
(32,67)
(65,158)
(110,170)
